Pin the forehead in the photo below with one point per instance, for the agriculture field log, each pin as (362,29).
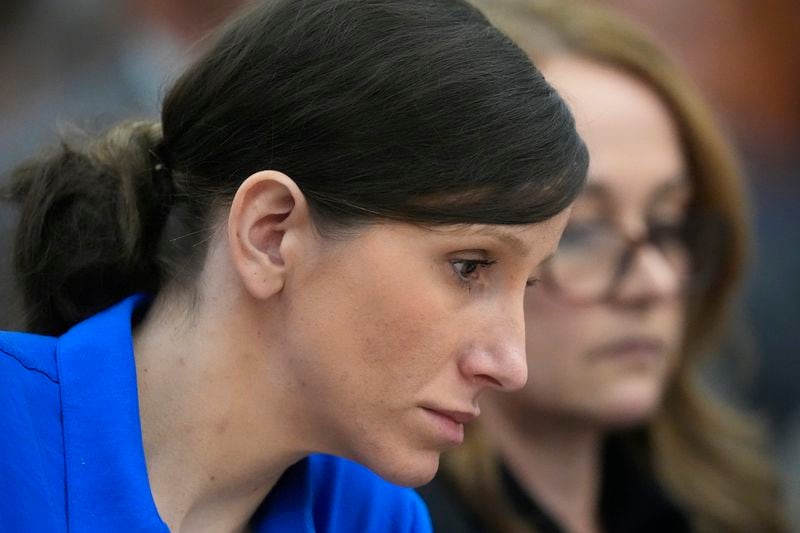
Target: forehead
(632,137)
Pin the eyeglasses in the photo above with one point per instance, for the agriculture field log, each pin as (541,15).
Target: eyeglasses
(593,257)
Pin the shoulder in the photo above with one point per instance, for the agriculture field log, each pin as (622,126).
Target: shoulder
(24,353)
(31,448)
(352,498)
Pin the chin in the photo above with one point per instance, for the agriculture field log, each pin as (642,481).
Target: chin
(629,405)
(407,469)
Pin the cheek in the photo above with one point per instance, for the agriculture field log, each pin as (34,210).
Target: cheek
(402,337)
(675,325)
(554,336)
(557,338)
(379,356)
(383,342)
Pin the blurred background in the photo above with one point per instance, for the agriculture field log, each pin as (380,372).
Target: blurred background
(85,64)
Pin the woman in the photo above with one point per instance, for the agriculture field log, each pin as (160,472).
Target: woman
(323,247)
(612,431)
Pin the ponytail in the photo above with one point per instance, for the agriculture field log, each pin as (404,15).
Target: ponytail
(90,220)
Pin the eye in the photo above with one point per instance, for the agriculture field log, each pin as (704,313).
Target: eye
(468,270)
(667,231)
(583,233)
(532,282)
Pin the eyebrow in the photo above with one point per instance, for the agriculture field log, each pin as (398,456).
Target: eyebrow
(517,245)
(492,231)
(513,242)
(677,181)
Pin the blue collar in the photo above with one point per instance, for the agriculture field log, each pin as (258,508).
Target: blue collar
(106,472)
(107,483)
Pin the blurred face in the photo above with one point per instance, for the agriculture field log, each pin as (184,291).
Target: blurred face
(394,333)
(601,347)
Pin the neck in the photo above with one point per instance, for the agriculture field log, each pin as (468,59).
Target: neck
(555,460)
(215,443)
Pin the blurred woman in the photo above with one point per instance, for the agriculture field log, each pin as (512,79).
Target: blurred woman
(613,432)
(322,248)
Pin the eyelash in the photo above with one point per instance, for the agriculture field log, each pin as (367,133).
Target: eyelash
(476,264)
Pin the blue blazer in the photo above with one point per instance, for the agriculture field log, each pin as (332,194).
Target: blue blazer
(72,459)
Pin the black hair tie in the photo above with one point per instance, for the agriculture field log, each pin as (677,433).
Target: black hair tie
(163,196)
(162,178)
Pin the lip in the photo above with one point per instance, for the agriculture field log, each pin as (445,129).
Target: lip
(635,347)
(449,424)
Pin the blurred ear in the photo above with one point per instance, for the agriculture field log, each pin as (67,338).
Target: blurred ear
(267,214)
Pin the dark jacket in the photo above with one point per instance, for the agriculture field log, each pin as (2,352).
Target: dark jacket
(631,501)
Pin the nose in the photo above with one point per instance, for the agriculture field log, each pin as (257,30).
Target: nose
(496,358)
(649,278)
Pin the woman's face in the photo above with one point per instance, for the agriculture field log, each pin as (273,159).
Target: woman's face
(605,360)
(394,333)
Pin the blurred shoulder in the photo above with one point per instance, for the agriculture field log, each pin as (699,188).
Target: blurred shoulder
(448,510)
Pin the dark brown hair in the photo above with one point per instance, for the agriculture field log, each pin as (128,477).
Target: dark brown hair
(411,110)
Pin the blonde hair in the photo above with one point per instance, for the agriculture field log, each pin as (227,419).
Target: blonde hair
(707,456)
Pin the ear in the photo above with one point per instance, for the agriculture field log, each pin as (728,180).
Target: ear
(267,211)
